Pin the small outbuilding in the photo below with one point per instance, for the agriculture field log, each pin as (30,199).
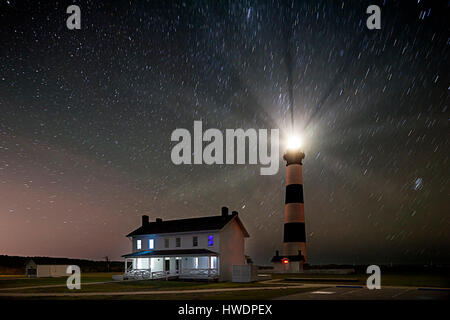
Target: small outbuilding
(245,273)
(33,269)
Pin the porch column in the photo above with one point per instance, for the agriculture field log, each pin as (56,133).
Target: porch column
(209,265)
(125,266)
(164,267)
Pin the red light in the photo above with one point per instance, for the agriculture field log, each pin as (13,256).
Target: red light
(285,261)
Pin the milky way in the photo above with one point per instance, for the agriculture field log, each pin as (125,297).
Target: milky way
(86,118)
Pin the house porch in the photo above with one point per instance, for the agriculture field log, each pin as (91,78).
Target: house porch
(165,265)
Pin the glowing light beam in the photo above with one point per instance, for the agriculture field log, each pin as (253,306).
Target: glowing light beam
(294,142)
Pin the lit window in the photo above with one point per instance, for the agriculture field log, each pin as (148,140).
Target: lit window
(138,244)
(178,242)
(166,243)
(142,263)
(196,263)
(195,241)
(213,262)
(151,243)
(210,240)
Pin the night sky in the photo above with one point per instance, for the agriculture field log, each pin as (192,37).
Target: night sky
(86,118)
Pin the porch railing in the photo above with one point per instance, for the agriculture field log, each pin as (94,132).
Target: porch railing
(199,272)
(185,273)
(148,274)
(161,274)
(138,273)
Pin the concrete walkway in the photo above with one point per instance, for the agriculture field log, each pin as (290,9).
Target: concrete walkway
(343,292)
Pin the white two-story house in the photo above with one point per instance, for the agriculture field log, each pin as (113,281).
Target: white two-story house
(196,248)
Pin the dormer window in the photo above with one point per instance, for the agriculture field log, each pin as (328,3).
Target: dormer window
(166,243)
(178,242)
(195,241)
(138,244)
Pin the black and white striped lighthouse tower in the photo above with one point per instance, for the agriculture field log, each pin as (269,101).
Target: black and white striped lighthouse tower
(293,254)
(294,236)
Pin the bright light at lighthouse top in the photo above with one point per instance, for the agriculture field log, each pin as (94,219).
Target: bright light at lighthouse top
(294,143)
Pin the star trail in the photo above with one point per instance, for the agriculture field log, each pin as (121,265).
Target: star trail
(86,118)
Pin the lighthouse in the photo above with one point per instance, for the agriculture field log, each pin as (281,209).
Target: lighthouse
(293,254)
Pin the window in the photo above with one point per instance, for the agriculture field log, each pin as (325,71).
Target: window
(195,241)
(196,263)
(142,263)
(178,242)
(151,243)
(210,240)
(213,262)
(138,244)
(166,243)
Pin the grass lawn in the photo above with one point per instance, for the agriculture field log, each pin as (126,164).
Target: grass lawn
(30,284)
(22,281)
(143,285)
(241,295)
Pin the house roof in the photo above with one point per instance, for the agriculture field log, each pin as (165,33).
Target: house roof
(153,253)
(188,225)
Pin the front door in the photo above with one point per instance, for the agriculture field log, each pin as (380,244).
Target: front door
(177,265)
(167,265)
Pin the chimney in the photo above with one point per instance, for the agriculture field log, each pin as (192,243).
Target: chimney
(144,220)
(158,220)
(224,211)
(234,213)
